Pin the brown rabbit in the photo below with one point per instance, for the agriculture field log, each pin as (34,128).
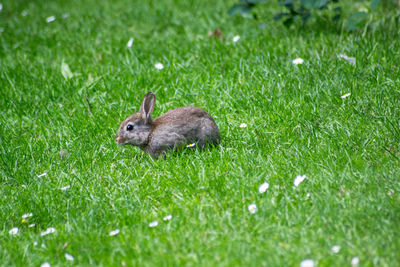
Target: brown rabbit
(172,130)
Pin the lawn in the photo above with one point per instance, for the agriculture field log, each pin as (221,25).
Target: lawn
(66,84)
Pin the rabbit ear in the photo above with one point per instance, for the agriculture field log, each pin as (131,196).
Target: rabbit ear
(147,106)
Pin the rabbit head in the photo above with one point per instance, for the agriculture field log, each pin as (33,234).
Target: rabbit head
(135,130)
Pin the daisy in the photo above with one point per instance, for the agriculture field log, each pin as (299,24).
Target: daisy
(336,249)
(27,215)
(351,60)
(252,208)
(69,257)
(168,217)
(13,231)
(243,125)
(114,232)
(130,42)
(50,19)
(49,230)
(299,179)
(159,66)
(236,38)
(153,224)
(191,145)
(263,187)
(345,95)
(65,188)
(45,264)
(355,261)
(307,263)
(298,61)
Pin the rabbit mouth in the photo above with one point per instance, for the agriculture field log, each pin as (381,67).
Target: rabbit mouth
(120,140)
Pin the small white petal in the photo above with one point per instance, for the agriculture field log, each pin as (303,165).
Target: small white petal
(298,61)
(191,145)
(27,215)
(308,195)
(1,7)
(31,225)
(299,179)
(351,60)
(336,249)
(65,15)
(41,175)
(236,38)
(307,263)
(114,232)
(243,125)
(345,95)
(65,188)
(130,42)
(50,19)
(153,224)
(69,257)
(35,243)
(45,264)
(159,66)
(13,231)
(355,261)
(24,13)
(168,217)
(252,208)
(263,187)
(49,230)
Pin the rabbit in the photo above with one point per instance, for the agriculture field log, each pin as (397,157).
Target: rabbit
(171,131)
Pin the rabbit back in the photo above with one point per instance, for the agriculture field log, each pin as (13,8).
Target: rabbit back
(182,126)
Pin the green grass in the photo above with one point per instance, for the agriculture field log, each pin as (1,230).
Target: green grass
(297,124)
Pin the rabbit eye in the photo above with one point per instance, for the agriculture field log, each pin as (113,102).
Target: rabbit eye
(129,127)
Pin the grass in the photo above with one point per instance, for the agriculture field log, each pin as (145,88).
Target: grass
(297,124)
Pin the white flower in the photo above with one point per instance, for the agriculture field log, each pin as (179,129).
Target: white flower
(130,42)
(13,231)
(65,15)
(351,60)
(307,263)
(355,261)
(50,19)
(159,66)
(31,225)
(345,95)
(243,125)
(45,264)
(65,188)
(263,187)
(168,217)
(114,232)
(41,175)
(24,13)
(252,208)
(49,230)
(1,7)
(69,257)
(153,224)
(27,215)
(336,249)
(299,179)
(308,195)
(298,61)
(35,243)
(235,38)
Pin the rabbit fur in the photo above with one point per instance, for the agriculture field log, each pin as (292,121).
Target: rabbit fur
(172,130)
